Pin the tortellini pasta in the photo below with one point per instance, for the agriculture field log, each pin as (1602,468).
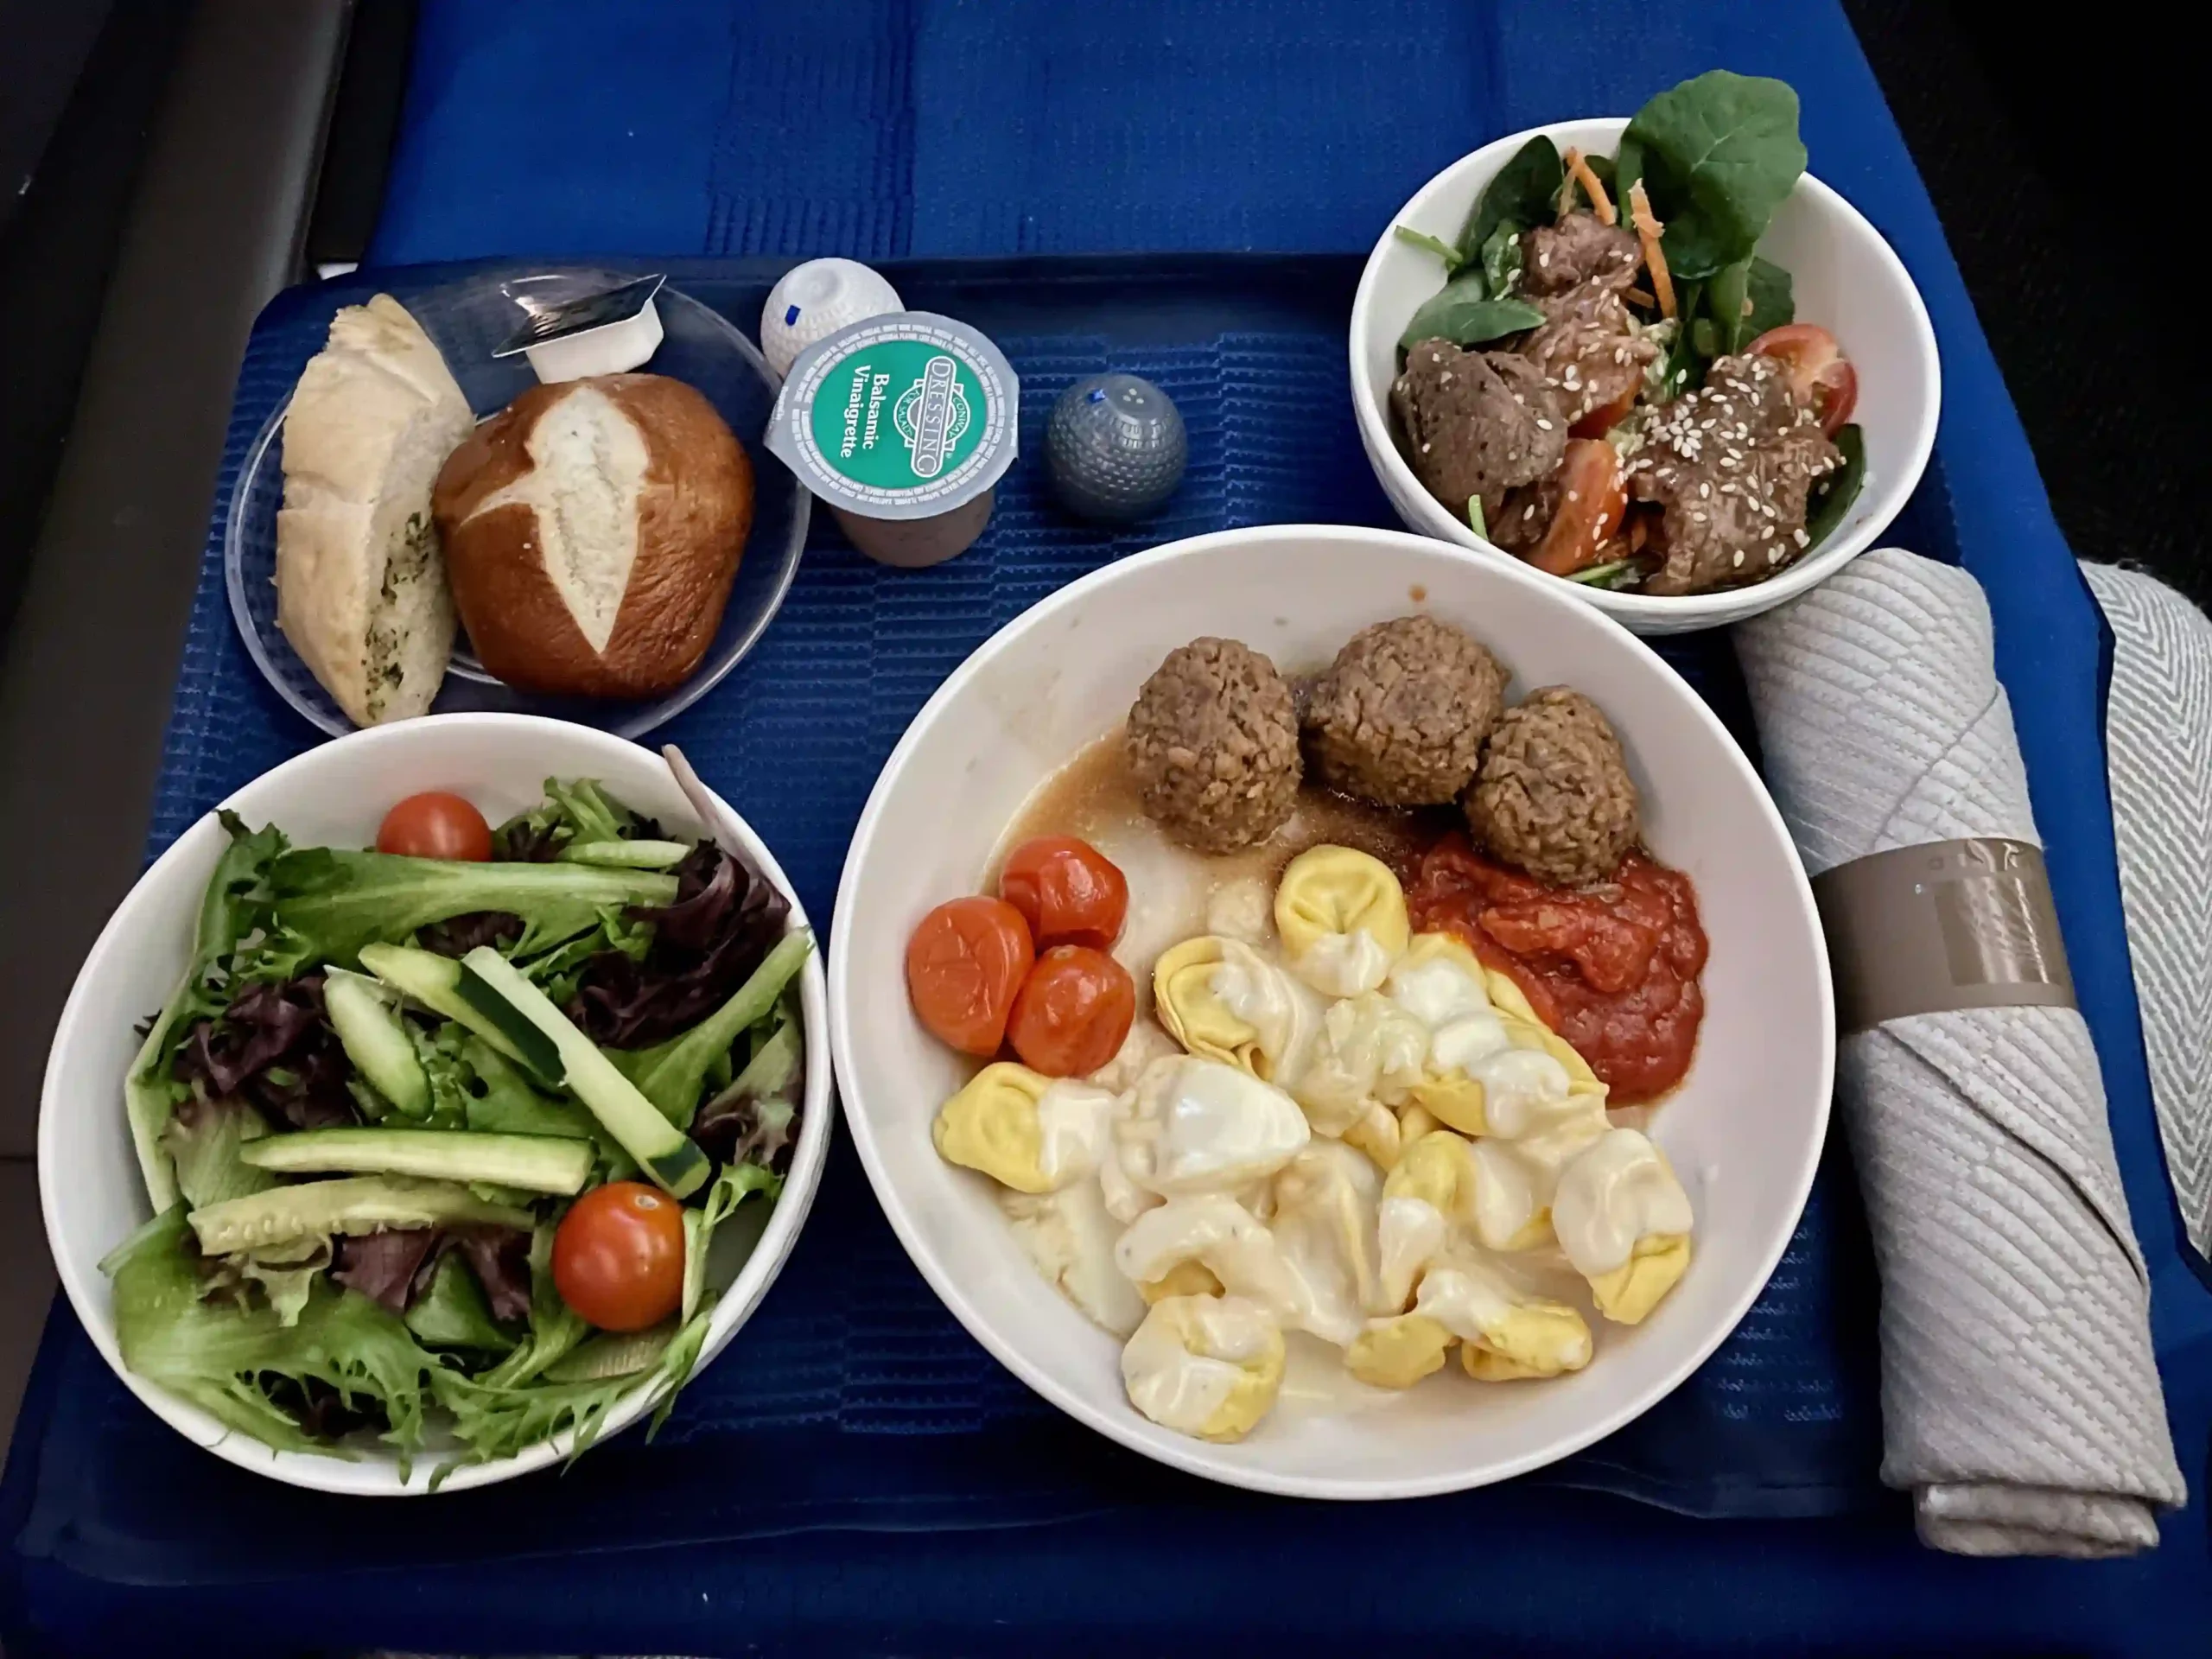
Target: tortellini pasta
(1623,1222)
(1204,1365)
(1194,1125)
(1218,1234)
(1341,917)
(1368,1053)
(1024,1130)
(1220,998)
(1504,1333)
(1327,1203)
(1369,1146)
(1492,1064)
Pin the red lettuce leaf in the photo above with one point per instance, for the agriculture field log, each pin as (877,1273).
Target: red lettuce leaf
(395,1267)
(725,919)
(275,1047)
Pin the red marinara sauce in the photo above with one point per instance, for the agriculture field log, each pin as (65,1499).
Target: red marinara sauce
(1612,968)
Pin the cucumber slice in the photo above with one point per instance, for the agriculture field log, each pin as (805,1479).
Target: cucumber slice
(626,854)
(363,1204)
(660,1148)
(375,1041)
(613,1354)
(435,982)
(534,1163)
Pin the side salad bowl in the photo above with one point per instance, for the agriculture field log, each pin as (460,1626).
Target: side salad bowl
(92,1189)
(1846,277)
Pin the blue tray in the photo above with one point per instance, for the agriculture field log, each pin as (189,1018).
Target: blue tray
(874,1407)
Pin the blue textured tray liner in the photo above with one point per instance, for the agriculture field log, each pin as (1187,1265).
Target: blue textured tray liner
(851,1347)
(887,127)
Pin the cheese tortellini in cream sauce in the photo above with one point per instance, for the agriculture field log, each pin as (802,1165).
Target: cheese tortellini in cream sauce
(1342,917)
(1204,1365)
(1338,1130)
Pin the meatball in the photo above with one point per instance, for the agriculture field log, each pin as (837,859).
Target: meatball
(1399,717)
(1213,744)
(1476,423)
(1554,795)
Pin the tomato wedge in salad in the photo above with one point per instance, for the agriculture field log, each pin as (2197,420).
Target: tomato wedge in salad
(1593,500)
(1819,374)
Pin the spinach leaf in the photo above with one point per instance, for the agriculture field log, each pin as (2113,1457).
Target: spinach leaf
(1462,314)
(1719,154)
(1727,297)
(1526,188)
(1613,575)
(1686,366)
(1773,303)
(1839,490)
(1628,168)
(1435,244)
(1502,258)
(1745,300)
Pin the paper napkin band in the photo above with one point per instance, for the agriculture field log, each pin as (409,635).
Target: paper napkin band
(1950,925)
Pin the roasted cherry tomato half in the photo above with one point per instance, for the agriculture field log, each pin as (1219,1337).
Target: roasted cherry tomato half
(1819,374)
(1593,500)
(964,965)
(618,1256)
(436,825)
(1073,1012)
(1068,892)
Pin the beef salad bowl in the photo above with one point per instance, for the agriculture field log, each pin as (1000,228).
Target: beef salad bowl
(439,1105)
(1338,1017)
(1654,358)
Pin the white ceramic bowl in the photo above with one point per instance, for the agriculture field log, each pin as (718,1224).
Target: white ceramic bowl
(335,794)
(1846,277)
(1744,1130)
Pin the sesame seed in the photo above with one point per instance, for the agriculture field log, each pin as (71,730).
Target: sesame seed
(1425,448)
(1739,559)
(1444,379)
(1800,536)
(1575,495)
(1542,424)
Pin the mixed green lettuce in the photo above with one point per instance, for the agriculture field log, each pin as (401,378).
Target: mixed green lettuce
(329,1310)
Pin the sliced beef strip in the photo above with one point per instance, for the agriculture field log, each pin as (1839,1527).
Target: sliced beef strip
(1557,257)
(1476,423)
(1730,468)
(1588,350)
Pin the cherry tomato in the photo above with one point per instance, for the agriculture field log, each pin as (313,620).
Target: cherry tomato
(1073,1012)
(436,825)
(1068,892)
(964,965)
(1593,500)
(1819,371)
(618,1256)
(1604,419)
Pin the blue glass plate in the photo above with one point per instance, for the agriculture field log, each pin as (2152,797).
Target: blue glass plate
(467,320)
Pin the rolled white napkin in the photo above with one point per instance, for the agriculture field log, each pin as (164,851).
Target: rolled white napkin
(2159,738)
(2020,1400)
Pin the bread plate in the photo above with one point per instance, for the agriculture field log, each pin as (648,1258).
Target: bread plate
(467,319)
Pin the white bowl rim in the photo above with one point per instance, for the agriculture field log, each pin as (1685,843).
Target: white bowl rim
(1682,612)
(91,1301)
(1199,1457)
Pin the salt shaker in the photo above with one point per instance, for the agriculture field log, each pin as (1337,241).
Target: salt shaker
(814,300)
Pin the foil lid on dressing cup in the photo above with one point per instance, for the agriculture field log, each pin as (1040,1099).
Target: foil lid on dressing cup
(903,425)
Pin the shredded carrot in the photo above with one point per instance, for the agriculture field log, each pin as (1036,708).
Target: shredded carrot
(1578,171)
(1648,231)
(1638,296)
